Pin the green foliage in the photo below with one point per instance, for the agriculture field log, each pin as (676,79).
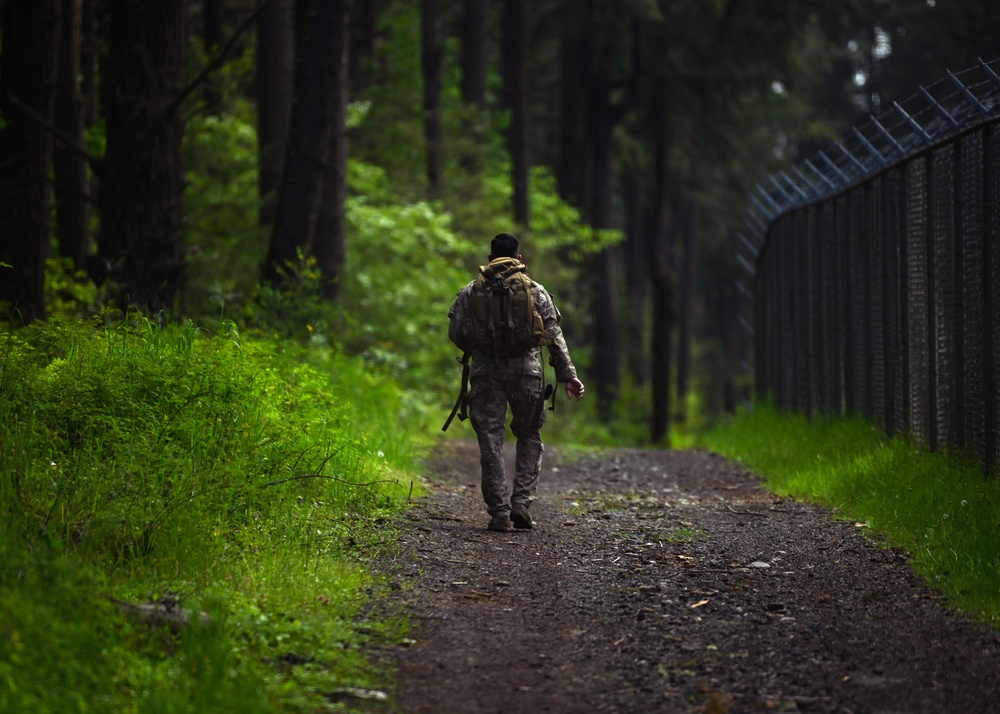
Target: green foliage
(392,135)
(69,293)
(295,310)
(937,506)
(401,278)
(225,245)
(225,473)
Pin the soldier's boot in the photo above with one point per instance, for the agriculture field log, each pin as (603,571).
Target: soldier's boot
(500,523)
(521,517)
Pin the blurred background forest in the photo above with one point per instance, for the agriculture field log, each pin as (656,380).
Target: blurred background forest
(330,172)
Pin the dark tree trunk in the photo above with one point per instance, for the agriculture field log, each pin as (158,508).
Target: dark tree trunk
(604,273)
(571,161)
(27,81)
(634,317)
(685,303)
(331,238)
(516,100)
(726,330)
(69,166)
(274,99)
(212,26)
(662,283)
(475,24)
(141,175)
(432,61)
(364,33)
(211,41)
(316,64)
(89,44)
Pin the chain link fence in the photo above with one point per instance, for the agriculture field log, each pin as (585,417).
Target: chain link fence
(875,269)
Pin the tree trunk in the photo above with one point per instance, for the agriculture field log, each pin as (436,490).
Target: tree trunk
(634,318)
(607,327)
(475,24)
(316,64)
(685,307)
(516,100)
(69,166)
(141,175)
(274,100)
(331,238)
(432,61)
(211,41)
(89,43)
(662,282)
(726,327)
(27,80)
(211,26)
(571,160)
(364,33)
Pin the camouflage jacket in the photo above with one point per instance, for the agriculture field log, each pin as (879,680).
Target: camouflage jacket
(528,364)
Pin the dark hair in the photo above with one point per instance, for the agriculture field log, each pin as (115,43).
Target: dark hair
(504,245)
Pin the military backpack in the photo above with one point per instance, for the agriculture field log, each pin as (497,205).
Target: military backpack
(504,319)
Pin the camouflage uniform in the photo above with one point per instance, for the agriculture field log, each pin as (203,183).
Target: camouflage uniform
(496,382)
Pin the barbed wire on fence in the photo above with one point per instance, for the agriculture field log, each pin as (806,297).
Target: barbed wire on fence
(876,274)
(927,117)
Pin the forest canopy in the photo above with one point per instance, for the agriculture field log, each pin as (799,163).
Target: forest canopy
(331,171)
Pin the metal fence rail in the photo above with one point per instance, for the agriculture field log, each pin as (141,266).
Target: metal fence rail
(875,271)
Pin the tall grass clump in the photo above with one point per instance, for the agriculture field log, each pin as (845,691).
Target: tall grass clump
(937,506)
(184,519)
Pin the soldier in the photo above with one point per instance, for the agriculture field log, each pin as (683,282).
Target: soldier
(499,378)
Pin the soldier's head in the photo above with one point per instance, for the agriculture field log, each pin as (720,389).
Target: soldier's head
(504,245)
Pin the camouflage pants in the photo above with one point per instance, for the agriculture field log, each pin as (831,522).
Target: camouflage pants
(489,396)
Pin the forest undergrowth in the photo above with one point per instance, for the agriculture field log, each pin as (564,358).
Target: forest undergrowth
(186,518)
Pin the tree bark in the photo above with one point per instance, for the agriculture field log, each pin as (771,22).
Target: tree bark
(69,166)
(636,278)
(27,81)
(606,317)
(89,43)
(141,175)
(516,99)
(475,24)
(432,62)
(331,231)
(685,306)
(726,328)
(316,65)
(211,26)
(659,260)
(364,35)
(211,41)
(571,160)
(274,100)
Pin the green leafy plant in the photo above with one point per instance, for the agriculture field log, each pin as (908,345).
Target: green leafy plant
(141,464)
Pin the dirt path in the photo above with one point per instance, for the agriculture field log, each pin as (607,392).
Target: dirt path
(660,581)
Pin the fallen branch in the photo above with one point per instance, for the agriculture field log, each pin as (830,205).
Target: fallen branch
(746,513)
(93,161)
(216,61)
(157,614)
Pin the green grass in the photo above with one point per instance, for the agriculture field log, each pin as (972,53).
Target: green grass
(936,506)
(240,478)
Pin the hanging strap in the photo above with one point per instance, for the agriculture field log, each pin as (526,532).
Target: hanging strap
(461,407)
(550,390)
